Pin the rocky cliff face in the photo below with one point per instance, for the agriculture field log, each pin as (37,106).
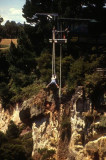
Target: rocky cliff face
(66,131)
(7,115)
(42,112)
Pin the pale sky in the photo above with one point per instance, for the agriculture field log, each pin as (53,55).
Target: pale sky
(12,10)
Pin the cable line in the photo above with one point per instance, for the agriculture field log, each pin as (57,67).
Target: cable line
(53,54)
(60,71)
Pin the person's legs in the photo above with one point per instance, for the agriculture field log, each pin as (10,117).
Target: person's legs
(52,83)
(57,85)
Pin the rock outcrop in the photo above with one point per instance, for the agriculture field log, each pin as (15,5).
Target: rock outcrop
(6,117)
(33,107)
(41,112)
(96,150)
(66,131)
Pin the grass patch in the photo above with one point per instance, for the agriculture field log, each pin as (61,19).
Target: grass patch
(8,42)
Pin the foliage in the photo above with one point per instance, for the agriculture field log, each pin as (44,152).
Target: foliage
(5,98)
(65,128)
(13,130)
(22,57)
(3,138)
(26,68)
(10,29)
(31,59)
(18,70)
(44,66)
(65,122)
(13,146)
(27,142)
(83,72)
(76,74)
(63,8)
(12,152)
(102,122)
(3,66)
(26,92)
(45,153)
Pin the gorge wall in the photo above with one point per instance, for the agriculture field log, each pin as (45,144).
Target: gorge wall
(62,131)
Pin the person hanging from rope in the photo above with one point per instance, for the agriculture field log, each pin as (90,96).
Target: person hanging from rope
(53,81)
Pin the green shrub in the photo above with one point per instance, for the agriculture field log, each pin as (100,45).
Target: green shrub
(28,146)
(12,152)
(48,154)
(65,122)
(12,131)
(45,153)
(26,92)
(42,150)
(3,138)
(102,122)
(27,142)
(65,128)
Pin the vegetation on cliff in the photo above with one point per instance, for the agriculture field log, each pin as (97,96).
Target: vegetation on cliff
(13,146)
(26,68)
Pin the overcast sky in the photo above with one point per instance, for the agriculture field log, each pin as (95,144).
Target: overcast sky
(12,10)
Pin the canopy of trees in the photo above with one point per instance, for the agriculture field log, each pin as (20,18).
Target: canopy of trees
(27,68)
(9,30)
(67,8)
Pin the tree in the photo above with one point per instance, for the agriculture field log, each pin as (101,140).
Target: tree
(4,65)
(22,57)
(11,29)
(1,19)
(94,9)
(44,66)
(4,94)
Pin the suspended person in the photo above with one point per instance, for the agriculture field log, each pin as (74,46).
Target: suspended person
(53,81)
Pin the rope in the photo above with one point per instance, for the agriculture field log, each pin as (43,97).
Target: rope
(52,61)
(60,64)
(60,72)
(53,54)
(54,58)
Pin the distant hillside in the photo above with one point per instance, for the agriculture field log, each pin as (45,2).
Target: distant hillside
(5,43)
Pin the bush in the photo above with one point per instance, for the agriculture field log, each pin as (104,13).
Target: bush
(27,142)
(65,123)
(13,131)
(66,128)
(44,65)
(3,138)
(13,148)
(102,122)
(45,153)
(12,152)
